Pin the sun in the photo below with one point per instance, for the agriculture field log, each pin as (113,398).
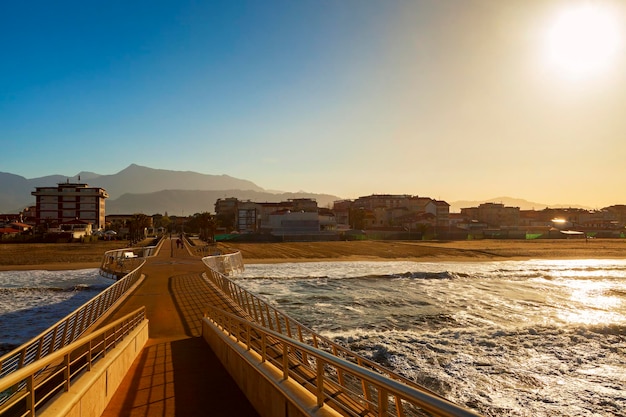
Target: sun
(584,40)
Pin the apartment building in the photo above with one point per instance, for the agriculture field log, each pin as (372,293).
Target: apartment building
(392,210)
(70,201)
(493,214)
(294,216)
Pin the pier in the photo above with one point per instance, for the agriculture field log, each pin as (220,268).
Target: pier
(176,373)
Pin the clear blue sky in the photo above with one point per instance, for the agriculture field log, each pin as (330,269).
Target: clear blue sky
(446,99)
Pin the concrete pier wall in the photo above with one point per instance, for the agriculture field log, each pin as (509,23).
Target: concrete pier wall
(91,393)
(263,384)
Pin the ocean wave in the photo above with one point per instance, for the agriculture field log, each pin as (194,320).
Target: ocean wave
(33,290)
(426,275)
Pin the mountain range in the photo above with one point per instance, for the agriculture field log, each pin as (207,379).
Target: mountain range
(139,189)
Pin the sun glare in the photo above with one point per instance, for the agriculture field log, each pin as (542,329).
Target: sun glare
(583,40)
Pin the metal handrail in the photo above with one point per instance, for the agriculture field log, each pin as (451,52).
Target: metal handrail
(118,262)
(346,387)
(274,319)
(27,389)
(68,329)
(258,310)
(226,264)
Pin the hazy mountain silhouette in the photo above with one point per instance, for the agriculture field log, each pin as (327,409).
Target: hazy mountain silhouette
(456,206)
(187,202)
(148,190)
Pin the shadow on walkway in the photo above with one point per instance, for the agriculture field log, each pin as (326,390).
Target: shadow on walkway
(177,373)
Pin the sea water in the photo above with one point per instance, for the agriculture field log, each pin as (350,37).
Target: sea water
(33,301)
(514,338)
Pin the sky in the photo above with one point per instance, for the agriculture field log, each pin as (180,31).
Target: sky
(457,99)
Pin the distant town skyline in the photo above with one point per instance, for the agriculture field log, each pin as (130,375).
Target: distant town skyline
(459,100)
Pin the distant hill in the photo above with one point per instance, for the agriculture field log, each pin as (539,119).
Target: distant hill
(456,206)
(141,180)
(148,190)
(187,202)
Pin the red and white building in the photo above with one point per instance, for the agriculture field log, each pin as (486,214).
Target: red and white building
(70,201)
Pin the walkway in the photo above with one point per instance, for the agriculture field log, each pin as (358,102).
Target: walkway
(176,374)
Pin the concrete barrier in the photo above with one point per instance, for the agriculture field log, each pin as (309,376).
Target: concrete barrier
(90,394)
(262,383)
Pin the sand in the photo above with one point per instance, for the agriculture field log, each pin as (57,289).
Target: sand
(54,256)
(88,255)
(431,251)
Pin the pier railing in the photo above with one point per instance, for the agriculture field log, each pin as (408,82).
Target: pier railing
(68,329)
(252,309)
(226,264)
(118,262)
(350,389)
(27,389)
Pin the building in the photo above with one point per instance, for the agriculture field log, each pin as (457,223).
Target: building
(493,214)
(400,212)
(70,201)
(295,218)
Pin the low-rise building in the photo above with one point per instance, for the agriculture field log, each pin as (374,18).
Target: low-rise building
(294,218)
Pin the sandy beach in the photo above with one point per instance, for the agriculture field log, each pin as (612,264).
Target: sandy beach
(429,251)
(54,256)
(80,256)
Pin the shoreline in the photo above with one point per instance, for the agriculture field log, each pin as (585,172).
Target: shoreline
(57,257)
(58,266)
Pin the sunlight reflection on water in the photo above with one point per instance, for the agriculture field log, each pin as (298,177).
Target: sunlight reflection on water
(592,305)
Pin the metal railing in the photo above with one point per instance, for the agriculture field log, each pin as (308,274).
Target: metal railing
(252,308)
(118,262)
(28,389)
(226,264)
(346,387)
(68,329)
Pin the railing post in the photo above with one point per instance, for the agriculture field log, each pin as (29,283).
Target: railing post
(339,370)
(366,394)
(399,406)
(304,355)
(30,398)
(383,402)
(285,361)
(269,316)
(261,312)
(54,339)
(66,371)
(39,348)
(278,327)
(89,356)
(263,347)
(248,336)
(288,326)
(320,382)
(22,359)
(65,330)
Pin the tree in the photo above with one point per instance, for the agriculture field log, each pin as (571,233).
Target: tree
(357,218)
(137,227)
(165,221)
(208,225)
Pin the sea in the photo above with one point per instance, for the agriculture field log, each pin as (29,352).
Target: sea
(510,338)
(33,301)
